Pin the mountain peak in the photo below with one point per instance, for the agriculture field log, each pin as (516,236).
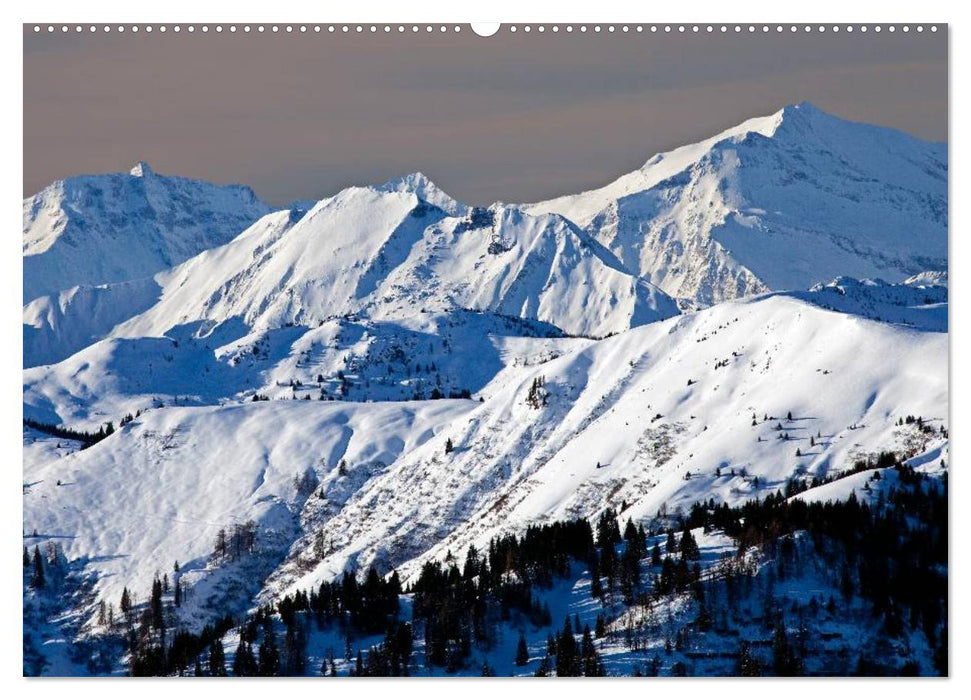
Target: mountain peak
(803,113)
(420,185)
(804,107)
(141,169)
(417,183)
(105,228)
(415,180)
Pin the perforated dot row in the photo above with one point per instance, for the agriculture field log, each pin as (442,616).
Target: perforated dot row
(247,28)
(527,28)
(723,28)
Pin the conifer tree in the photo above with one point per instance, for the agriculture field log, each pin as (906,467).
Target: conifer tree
(37,581)
(656,555)
(544,668)
(244,664)
(748,665)
(567,658)
(592,662)
(600,628)
(596,587)
(268,658)
(522,651)
(217,658)
(155,605)
(689,548)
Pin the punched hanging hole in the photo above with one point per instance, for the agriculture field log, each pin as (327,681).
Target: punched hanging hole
(485,29)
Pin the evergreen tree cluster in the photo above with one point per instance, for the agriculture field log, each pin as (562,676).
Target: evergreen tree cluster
(887,556)
(86,439)
(367,606)
(573,658)
(892,553)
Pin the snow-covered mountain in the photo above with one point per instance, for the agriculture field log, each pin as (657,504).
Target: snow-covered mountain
(390,253)
(779,202)
(920,302)
(388,376)
(655,418)
(385,253)
(96,229)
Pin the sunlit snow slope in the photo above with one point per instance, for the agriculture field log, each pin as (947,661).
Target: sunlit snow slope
(654,418)
(780,202)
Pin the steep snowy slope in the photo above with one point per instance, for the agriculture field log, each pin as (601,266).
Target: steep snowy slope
(159,490)
(95,229)
(655,418)
(781,202)
(658,417)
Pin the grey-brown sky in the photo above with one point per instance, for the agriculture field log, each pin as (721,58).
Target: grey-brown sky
(513,117)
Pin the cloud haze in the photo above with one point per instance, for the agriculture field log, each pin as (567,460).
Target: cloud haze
(514,117)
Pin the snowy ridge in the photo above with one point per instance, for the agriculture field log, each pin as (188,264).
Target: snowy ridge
(778,203)
(389,254)
(58,325)
(380,252)
(920,304)
(426,356)
(583,207)
(622,424)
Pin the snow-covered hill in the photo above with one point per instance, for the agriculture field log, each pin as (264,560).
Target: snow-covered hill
(96,229)
(690,408)
(656,418)
(780,202)
(56,326)
(425,356)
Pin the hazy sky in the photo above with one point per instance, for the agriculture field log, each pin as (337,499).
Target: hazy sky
(513,117)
